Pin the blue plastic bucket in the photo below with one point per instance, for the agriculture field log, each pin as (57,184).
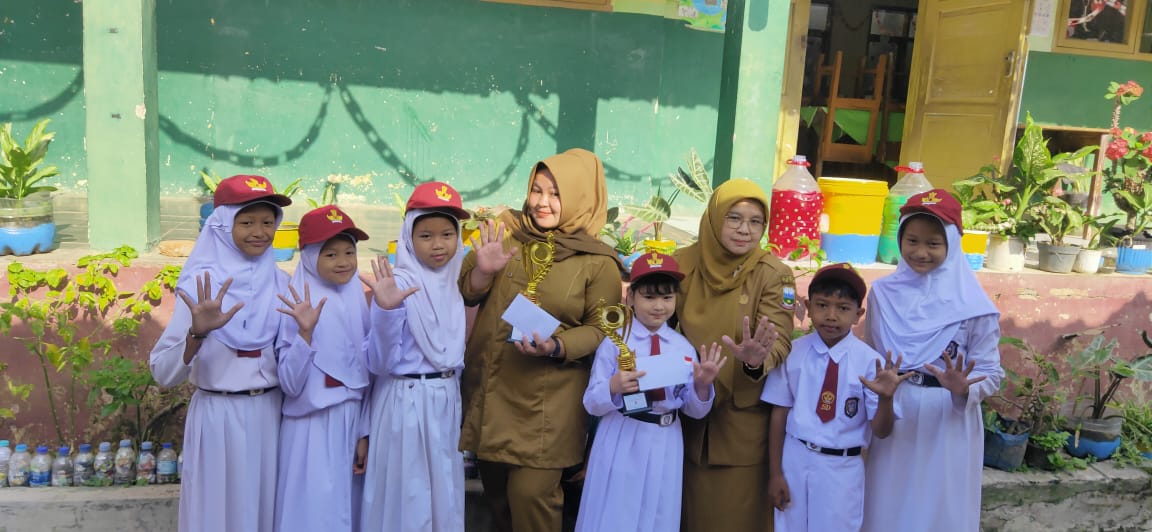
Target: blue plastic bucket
(857,249)
(27,240)
(1098,449)
(1135,260)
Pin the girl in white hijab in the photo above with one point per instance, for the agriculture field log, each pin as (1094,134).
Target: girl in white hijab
(933,312)
(222,338)
(415,474)
(324,374)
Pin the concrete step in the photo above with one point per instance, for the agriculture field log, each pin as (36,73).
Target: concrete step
(1102,497)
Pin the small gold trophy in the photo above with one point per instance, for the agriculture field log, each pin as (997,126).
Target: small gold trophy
(612,318)
(540,255)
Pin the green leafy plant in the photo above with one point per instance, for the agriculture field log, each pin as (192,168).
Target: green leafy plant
(1098,365)
(1128,173)
(129,397)
(1100,231)
(695,182)
(1052,444)
(17,394)
(20,169)
(655,211)
(1033,396)
(1135,434)
(210,180)
(66,320)
(1057,218)
(334,182)
(293,188)
(623,238)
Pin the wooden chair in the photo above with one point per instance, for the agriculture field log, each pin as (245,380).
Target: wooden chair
(823,79)
(888,150)
(829,150)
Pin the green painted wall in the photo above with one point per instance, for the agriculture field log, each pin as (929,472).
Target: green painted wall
(1068,90)
(461,90)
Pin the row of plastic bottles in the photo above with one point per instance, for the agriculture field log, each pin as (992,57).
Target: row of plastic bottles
(798,204)
(103,468)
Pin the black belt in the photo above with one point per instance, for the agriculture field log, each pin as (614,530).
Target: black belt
(663,420)
(446,374)
(854,451)
(252,392)
(922,379)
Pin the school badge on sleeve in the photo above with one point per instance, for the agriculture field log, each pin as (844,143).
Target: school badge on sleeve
(851,406)
(789,302)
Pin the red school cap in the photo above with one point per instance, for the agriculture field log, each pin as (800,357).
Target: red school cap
(240,189)
(655,263)
(318,225)
(844,272)
(438,196)
(937,202)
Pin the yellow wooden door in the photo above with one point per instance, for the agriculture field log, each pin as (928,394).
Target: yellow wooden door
(967,65)
(793,83)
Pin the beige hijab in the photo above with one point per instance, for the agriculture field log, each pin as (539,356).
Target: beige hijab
(584,207)
(710,270)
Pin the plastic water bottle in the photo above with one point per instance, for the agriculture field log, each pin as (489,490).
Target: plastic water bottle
(166,464)
(180,467)
(82,466)
(19,466)
(911,182)
(146,465)
(125,464)
(796,207)
(62,468)
(40,471)
(103,466)
(5,457)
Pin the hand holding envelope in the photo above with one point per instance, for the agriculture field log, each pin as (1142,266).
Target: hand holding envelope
(664,370)
(527,319)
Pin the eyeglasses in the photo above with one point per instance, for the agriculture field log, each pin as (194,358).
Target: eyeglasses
(734,221)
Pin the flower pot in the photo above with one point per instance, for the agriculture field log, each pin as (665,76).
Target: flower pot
(1005,253)
(1057,259)
(973,241)
(975,261)
(206,211)
(27,225)
(1037,457)
(1004,451)
(1087,261)
(392,251)
(629,259)
(1094,437)
(285,241)
(1108,260)
(1099,449)
(1135,259)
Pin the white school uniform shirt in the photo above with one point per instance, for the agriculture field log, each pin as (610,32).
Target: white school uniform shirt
(395,350)
(303,382)
(797,383)
(599,401)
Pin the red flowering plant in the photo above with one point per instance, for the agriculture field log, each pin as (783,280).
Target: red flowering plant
(1128,171)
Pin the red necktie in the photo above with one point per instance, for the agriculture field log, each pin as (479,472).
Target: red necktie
(657,394)
(826,406)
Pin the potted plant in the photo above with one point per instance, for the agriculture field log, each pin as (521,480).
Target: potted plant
(1046,450)
(1093,432)
(1059,219)
(623,238)
(977,214)
(1136,433)
(1090,258)
(1127,177)
(27,224)
(1030,399)
(1033,173)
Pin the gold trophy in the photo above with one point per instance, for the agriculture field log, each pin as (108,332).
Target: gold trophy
(540,255)
(612,318)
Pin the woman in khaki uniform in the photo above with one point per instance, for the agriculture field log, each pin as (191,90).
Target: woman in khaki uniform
(523,415)
(732,287)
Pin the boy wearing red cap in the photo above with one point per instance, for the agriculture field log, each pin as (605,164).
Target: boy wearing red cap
(223,340)
(415,473)
(932,311)
(635,468)
(829,397)
(324,374)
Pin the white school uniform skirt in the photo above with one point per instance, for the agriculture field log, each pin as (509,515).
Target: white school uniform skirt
(926,474)
(415,473)
(314,490)
(634,478)
(228,482)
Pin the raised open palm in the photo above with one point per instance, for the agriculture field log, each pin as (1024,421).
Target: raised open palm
(490,254)
(387,295)
(207,311)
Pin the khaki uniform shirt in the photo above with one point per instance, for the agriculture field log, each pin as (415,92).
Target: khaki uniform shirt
(526,410)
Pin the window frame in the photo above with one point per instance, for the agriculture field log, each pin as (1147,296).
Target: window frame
(1138,11)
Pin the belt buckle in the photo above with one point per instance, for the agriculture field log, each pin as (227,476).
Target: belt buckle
(812,446)
(257,391)
(448,374)
(917,378)
(666,419)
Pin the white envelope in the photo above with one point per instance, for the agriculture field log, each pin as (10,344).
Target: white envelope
(663,371)
(527,318)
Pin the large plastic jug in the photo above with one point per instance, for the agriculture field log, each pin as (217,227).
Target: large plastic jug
(796,207)
(911,182)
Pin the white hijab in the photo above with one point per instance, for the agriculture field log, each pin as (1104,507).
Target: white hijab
(255,280)
(436,311)
(917,315)
(339,336)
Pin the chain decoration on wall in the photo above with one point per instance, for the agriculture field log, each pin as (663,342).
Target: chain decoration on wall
(852,27)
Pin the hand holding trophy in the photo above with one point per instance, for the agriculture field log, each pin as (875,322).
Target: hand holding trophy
(619,317)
